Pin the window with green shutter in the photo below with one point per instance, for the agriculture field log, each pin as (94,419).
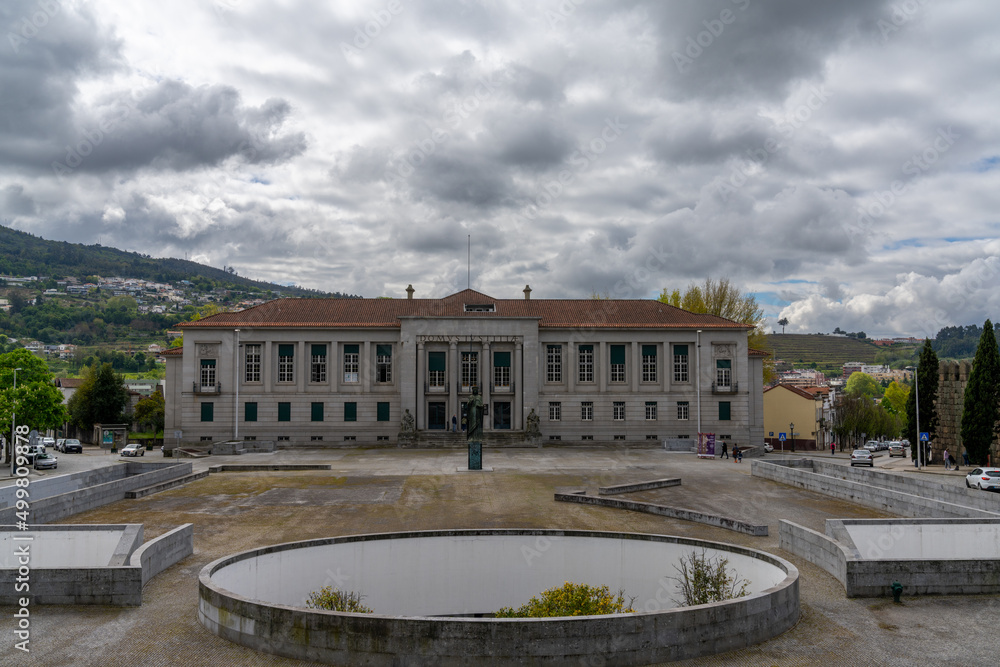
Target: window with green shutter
(383,363)
(617,363)
(317,412)
(724,411)
(383,412)
(435,369)
(286,363)
(208,412)
(680,363)
(249,412)
(649,363)
(723,373)
(284,412)
(317,366)
(350,363)
(350,412)
(501,371)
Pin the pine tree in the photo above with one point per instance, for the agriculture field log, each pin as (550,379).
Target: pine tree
(927,387)
(981,411)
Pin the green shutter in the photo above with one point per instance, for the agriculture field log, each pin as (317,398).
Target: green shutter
(586,348)
(350,412)
(681,350)
(208,412)
(249,412)
(435,361)
(317,412)
(649,350)
(284,412)
(383,412)
(724,411)
(617,354)
(723,363)
(383,350)
(350,349)
(319,350)
(501,359)
(208,362)
(286,350)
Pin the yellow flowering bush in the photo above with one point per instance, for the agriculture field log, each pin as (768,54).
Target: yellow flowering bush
(571,600)
(332,599)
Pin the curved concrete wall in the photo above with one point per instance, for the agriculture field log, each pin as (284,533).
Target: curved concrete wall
(256,598)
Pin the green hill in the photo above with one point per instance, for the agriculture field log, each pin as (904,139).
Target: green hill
(23,254)
(829,353)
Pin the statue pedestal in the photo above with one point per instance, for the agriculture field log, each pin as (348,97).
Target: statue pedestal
(475,455)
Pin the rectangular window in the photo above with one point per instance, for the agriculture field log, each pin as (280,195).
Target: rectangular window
(649,363)
(553,363)
(350,412)
(286,363)
(555,412)
(251,363)
(586,363)
(501,371)
(382,412)
(680,363)
(619,411)
(284,412)
(208,373)
(317,412)
(208,412)
(618,363)
(249,412)
(683,410)
(383,363)
(650,411)
(435,369)
(317,371)
(351,363)
(470,370)
(723,373)
(587,411)
(724,411)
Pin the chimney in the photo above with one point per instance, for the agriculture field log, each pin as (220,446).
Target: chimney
(409,291)
(527,292)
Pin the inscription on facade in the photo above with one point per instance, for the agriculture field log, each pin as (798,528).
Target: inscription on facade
(208,350)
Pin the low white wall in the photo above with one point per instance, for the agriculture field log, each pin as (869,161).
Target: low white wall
(929,541)
(455,575)
(59,548)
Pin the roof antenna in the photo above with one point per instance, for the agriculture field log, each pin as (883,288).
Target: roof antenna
(468,278)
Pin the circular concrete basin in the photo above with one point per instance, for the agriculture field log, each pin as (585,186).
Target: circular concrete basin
(429,590)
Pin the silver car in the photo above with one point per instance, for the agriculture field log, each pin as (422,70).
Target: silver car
(862,457)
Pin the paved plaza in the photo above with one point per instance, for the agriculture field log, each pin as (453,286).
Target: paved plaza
(383,490)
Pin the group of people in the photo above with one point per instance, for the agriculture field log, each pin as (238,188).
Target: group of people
(737,452)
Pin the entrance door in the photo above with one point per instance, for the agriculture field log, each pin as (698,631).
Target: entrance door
(437,416)
(501,414)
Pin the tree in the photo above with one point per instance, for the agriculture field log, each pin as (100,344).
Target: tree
(724,299)
(783,322)
(37,402)
(895,397)
(927,387)
(862,384)
(981,410)
(151,411)
(101,399)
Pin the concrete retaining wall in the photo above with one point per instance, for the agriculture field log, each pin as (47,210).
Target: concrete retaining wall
(662,510)
(640,638)
(160,553)
(816,548)
(895,502)
(639,486)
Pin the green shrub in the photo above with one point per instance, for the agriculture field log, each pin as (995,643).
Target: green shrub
(332,599)
(705,579)
(571,600)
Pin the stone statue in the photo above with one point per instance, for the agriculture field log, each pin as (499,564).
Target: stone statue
(407,430)
(475,416)
(533,431)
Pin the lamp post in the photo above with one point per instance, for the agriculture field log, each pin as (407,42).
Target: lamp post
(791,434)
(13,423)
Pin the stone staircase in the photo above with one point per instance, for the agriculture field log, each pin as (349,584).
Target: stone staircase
(491,439)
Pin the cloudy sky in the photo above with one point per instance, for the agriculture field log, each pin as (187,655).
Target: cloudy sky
(838,159)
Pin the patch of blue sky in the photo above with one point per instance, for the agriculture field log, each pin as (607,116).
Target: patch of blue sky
(770,299)
(987,163)
(904,243)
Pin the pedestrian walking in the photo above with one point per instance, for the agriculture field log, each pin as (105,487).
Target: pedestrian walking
(737,454)
(965,457)
(725,452)
(947,460)
(833,449)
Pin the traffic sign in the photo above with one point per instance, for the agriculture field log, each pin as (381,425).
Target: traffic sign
(770,434)
(781,437)
(925,436)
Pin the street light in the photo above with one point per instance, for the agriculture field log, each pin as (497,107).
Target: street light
(13,422)
(791,434)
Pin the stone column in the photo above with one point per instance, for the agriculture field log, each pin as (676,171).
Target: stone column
(570,366)
(636,367)
(365,368)
(455,374)
(421,406)
(601,366)
(486,382)
(517,376)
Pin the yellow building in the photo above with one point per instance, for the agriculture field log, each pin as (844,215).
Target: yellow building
(785,405)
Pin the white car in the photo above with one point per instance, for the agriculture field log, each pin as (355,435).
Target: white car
(872,446)
(862,457)
(47,442)
(768,447)
(984,479)
(133,449)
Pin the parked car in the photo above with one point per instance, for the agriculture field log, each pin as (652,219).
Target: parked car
(872,446)
(862,457)
(133,449)
(984,479)
(30,452)
(768,447)
(71,445)
(896,449)
(59,444)
(47,443)
(46,461)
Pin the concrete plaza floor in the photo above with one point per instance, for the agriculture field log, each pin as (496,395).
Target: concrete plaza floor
(382,490)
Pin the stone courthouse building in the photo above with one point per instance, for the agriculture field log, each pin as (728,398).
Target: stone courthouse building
(328,372)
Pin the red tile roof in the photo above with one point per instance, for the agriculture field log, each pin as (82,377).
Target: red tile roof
(561,313)
(794,390)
